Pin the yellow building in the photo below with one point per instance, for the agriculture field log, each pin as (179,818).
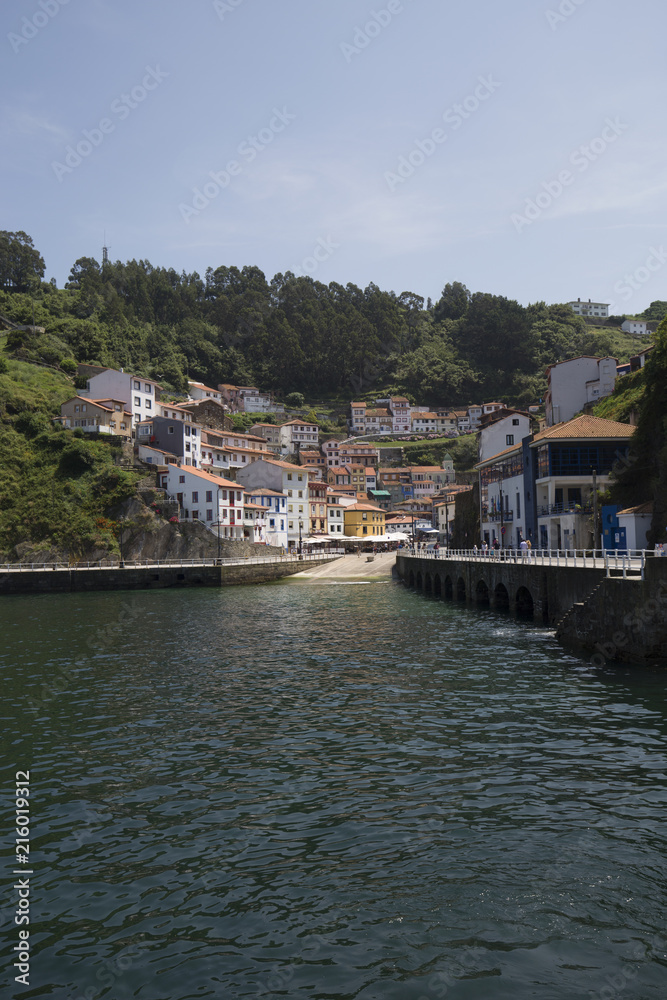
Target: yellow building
(364,520)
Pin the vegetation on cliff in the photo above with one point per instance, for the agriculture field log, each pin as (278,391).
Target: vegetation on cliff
(55,484)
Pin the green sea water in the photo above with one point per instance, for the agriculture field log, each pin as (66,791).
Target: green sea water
(322,791)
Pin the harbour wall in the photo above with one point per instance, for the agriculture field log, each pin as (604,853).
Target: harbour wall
(63,579)
(610,617)
(543,593)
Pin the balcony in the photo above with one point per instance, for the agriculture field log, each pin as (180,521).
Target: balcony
(495,515)
(556,509)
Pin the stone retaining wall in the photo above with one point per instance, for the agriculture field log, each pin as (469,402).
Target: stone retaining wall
(148,577)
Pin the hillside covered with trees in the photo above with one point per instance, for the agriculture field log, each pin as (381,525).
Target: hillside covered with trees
(290,334)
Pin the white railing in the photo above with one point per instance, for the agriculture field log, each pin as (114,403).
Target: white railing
(613,562)
(167,563)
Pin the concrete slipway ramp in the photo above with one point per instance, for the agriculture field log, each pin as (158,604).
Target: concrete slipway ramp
(351,568)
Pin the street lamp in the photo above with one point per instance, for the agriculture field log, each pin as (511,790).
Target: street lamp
(595,512)
(502,526)
(447,525)
(219,541)
(300,543)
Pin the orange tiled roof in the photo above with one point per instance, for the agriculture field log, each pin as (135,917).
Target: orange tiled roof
(585,426)
(216,480)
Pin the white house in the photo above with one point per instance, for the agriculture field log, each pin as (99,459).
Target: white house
(272,516)
(296,434)
(197,390)
(292,480)
(638,326)
(503,513)
(637,524)
(505,432)
(139,393)
(336,518)
(358,418)
(255,401)
(218,503)
(589,308)
(399,407)
(573,383)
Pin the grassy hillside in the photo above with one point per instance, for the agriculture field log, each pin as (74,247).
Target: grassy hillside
(625,400)
(56,485)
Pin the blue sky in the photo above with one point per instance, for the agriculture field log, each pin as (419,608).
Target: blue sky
(518,147)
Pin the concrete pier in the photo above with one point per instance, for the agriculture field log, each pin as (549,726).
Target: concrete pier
(208,573)
(544,593)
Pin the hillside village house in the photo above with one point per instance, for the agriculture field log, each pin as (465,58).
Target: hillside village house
(272,520)
(216,502)
(335,519)
(255,401)
(137,392)
(313,459)
(330,452)
(179,436)
(231,396)
(573,383)
(197,390)
(292,480)
(253,522)
(270,433)
(97,416)
(636,326)
(364,520)
(429,422)
(208,413)
(225,452)
(502,430)
(358,418)
(388,416)
(317,499)
(589,308)
(399,409)
(358,454)
(297,434)
(379,421)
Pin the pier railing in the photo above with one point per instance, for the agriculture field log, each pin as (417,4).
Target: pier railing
(165,563)
(630,562)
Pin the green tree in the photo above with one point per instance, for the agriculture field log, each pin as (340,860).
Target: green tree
(295,400)
(453,303)
(21,266)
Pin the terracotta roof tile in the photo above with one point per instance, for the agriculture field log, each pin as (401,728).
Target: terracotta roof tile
(585,426)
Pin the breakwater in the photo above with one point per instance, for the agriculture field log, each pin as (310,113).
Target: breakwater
(61,578)
(615,614)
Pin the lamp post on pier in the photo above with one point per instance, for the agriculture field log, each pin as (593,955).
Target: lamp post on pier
(502,526)
(219,539)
